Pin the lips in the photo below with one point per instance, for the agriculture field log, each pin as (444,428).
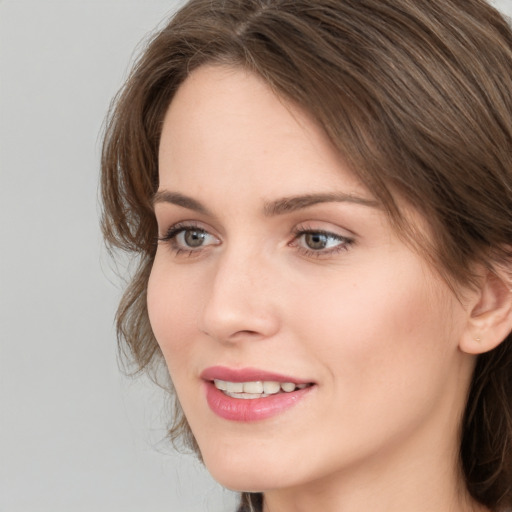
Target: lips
(250,394)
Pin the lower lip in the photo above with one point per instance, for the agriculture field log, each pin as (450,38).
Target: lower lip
(252,409)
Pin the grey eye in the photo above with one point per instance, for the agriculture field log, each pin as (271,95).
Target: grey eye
(194,237)
(316,241)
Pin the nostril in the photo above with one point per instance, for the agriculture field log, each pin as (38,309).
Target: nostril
(242,335)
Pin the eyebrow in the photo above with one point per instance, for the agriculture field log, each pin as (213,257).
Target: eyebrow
(272,208)
(165,196)
(291,204)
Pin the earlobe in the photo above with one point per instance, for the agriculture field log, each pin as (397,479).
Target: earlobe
(490,315)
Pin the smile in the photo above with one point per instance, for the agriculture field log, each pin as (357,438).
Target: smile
(249,394)
(255,389)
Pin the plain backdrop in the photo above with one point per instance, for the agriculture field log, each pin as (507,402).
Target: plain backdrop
(75,435)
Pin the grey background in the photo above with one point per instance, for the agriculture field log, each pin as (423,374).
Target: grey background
(75,435)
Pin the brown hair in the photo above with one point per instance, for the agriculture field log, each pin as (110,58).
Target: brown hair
(417,97)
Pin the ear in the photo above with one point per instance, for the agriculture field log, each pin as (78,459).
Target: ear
(490,314)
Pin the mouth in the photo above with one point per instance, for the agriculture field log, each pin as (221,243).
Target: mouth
(247,395)
(256,389)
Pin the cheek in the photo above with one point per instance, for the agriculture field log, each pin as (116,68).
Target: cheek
(172,313)
(386,337)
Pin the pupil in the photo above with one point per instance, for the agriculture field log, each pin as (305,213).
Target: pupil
(194,238)
(316,240)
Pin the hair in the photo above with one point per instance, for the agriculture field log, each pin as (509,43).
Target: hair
(417,97)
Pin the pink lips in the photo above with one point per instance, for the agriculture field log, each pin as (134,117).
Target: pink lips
(246,410)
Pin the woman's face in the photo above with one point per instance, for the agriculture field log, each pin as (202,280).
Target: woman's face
(278,269)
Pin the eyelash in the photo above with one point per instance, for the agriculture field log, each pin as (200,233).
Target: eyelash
(344,242)
(174,231)
(300,231)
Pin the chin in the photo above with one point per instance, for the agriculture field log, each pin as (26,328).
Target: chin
(250,481)
(242,472)
(242,483)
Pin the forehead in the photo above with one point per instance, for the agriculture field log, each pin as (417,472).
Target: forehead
(226,121)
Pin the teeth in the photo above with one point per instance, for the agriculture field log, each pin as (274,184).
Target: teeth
(257,389)
(235,387)
(271,388)
(246,396)
(221,384)
(253,387)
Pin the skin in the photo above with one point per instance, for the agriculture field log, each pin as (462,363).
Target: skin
(365,319)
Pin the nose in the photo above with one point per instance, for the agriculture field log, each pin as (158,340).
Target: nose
(241,299)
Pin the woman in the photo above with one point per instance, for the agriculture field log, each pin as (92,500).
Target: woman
(319,195)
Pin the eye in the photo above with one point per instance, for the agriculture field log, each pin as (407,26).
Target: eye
(186,237)
(315,242)
(318,241)
(192,237)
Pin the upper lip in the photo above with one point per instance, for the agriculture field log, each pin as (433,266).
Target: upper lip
(247,375)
